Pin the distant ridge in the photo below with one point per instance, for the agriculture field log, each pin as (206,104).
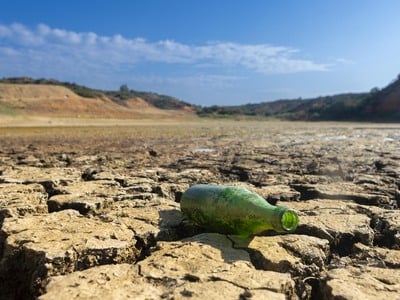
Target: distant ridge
(375,106)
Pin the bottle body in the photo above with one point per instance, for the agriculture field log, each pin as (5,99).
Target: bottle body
(235,210)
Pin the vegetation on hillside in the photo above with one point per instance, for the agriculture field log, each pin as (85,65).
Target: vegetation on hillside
(383,105)
(338,107)
(157,100)
(377,105)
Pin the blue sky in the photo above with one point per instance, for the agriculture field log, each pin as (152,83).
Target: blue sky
(206,52)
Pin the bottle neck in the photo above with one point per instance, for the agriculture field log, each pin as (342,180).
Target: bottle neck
(278,218)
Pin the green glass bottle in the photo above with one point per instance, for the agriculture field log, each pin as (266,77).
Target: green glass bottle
(234,210)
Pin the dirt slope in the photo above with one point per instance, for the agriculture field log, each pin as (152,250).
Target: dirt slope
(15,92)
(59,101)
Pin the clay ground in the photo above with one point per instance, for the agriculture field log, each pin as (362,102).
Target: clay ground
(93,211)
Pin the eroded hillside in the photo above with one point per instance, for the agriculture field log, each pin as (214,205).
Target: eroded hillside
(60,101)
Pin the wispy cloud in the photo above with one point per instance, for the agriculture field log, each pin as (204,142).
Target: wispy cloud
(344,61)
(44,48)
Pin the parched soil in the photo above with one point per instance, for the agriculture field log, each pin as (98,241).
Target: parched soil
(92,212)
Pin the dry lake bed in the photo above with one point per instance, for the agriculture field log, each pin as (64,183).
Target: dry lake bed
(90,212)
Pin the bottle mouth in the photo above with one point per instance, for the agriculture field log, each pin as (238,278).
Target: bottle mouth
(289,220)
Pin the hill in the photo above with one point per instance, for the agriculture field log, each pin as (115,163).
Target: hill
(377,105)
(382,105)
(43,97)
(49,97)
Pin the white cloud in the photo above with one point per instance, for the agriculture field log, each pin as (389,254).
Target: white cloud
(196,80)
(344,61)
(7,51)
(5,31)
(89,49)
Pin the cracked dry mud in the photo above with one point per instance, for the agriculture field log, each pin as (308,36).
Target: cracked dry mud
(88,213)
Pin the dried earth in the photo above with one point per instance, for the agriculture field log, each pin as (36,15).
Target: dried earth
(93,212)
